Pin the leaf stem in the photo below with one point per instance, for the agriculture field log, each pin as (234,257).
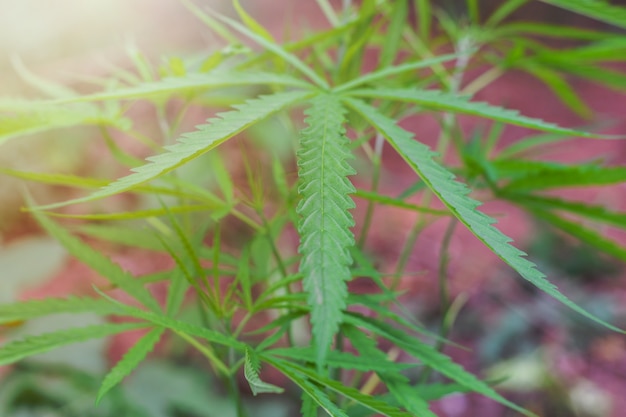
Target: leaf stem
(482,81)
(444,294)
(281,267)
(376,161)
(464,48)
(214,361)
(234,388)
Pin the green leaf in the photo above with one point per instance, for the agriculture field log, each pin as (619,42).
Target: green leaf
(595,9)
(561,176)
(530,143)
(316,394)
(30,309)
(140,214)
(222,176)
(252,24)
(396,202)
(277,50)
(18,118)
(176,292)
(503,11)
(193,144)
(431,357)
(98,262)
(597,213)
(192,83)
(211,22)
(325,235)
(561,88)
(251,372)
(439,100)
(432,392)
(387,72)
(454,195)
(343,360)
(376,405)
(425,16)
(14,351)
(548,30)
(280,178)
(397,383)
(177,326)
(608,50)
(379,303)
(46,87)
(55,179)
(589,236)
(242,278)
(127,236)
(352,57)
(394,33)
(611,78)
(87,182)
(309,408)
(130,361)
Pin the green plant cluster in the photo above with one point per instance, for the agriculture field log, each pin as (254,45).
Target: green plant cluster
(345,365)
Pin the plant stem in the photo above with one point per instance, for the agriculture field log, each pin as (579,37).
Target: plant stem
(464,47)
(234,388)
(376,161)
(482,81)
(328,11)
(444,294)
(281,266)
(411,239)
(214,361)
(444,259)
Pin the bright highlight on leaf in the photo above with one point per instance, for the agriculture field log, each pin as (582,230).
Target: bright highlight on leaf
(325,236)
(191,84)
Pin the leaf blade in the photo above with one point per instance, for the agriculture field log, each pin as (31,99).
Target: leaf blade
(595,9)
(325,218)
(17,350)
(191,83)
(439,100)
(98,262)
(198,142)
(30,309)
(251,373)
(130,361)
(454,195)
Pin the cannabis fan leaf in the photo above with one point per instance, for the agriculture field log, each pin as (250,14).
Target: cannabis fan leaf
(454,195)
(193,144)
(325,225)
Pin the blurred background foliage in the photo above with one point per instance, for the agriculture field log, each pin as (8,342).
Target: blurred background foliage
(77,43)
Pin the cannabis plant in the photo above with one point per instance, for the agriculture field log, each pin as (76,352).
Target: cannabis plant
(263,248)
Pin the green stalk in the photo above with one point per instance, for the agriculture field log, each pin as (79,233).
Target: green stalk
(464,47)
(214,361)
(444,293)
(281,266)
(234,388)
(376,169)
